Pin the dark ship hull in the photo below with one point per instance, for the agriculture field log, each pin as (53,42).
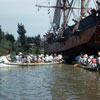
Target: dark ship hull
(86,39)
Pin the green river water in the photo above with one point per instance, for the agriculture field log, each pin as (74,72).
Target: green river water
(49,82)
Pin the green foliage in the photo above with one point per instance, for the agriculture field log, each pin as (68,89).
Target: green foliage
(23,43)
(2,34)
(5,45)
(28,44)
(37,43)
(10,37)
(6,42)
(22,38)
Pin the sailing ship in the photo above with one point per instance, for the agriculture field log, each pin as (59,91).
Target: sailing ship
(81,37)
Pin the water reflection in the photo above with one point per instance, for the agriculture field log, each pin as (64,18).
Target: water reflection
(49,82)
(76,84)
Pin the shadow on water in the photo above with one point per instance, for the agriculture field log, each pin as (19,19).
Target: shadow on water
(49,82)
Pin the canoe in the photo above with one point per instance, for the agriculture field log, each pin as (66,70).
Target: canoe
(95,69)
(3,65)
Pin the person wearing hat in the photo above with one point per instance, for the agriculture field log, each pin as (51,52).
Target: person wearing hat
(20,56)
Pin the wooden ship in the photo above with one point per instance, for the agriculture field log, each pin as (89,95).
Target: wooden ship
(81,37)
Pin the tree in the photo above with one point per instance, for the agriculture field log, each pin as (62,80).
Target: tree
(35,44)
(22,38)
(0,30)
(1,33)
(37,41)
(10,37)
(6,42)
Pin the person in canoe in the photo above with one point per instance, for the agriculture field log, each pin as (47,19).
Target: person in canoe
(93,62)
(8,56)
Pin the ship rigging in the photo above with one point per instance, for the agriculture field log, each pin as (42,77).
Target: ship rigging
(67,9)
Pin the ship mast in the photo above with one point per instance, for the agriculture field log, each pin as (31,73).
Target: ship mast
(64,15)
(66,7)
(82,8)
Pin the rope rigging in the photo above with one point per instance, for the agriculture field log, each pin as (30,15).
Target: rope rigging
(71,11)
(70,6)
(95,4)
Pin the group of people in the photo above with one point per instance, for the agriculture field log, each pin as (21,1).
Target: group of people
(54,34)
(20,58)
(92,61)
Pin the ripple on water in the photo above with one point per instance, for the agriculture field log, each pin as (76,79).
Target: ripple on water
(52,82)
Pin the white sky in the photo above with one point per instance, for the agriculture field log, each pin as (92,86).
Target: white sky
(13,12)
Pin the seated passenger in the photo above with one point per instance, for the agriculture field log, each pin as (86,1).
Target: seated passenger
(34,60)
(81,59)
(89,60)
(85,59)
(94,62)
(20,56)
(24,59)
(8,56)
(59,58)
(77,59)
(39,60)
(98,60)
(46,59)
(29,58)
(17,58)
(55,57)
(51,58)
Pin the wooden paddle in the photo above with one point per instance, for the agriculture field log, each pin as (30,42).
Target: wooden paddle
(76,65)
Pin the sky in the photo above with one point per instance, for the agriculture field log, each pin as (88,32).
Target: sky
(13,12)
(35,22)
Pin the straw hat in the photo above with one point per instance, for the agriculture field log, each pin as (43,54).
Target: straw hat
(98,53)
(20,53)
(47,55)
(85,56)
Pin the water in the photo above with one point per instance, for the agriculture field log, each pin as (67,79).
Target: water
(49,82)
